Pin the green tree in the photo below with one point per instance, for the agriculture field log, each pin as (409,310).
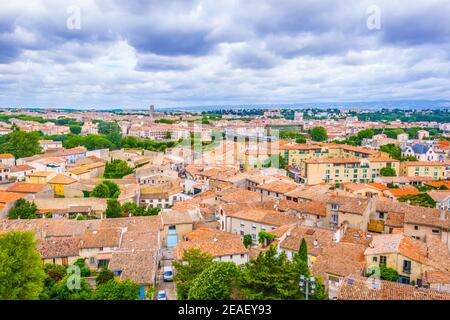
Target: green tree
(265,238)
(388,172)
(63,291)
(303,251)
(114,189)
(100,191)
(21,271)
(195,262)
(122,290)
(75,129)
(389,274)
(247,240)
(104,276)
(214,283)
(270,276)
(117,169)
(113,209)
(20,144)
(23,209)
(386,273)
(319,134)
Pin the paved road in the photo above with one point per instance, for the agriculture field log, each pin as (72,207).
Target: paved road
(169,287)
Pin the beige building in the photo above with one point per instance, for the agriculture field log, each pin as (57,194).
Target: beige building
(176,224)
(433,169)
(339,170)
(222,246)
(411,258)
(251,221)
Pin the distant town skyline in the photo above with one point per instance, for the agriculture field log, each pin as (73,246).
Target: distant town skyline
(178,54)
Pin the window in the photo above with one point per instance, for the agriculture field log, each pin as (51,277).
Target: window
(375,259)
(334,207)
(253,236)
(436,231)
(416,227)
(406,266)
(92,260)
(334,218)
(253,226)
(242,233)
(383,260)
(381,215)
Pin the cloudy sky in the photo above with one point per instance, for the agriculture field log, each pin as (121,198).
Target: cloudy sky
(129,54)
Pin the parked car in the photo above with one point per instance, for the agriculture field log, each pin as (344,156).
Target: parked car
(162,295)
(167,273)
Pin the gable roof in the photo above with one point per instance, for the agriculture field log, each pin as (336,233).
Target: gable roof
(356,287)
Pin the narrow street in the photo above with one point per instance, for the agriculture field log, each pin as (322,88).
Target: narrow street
(169,287)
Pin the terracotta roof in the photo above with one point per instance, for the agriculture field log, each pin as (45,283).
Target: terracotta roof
(308,207)
(101,238)
(40,174)
(59,247)
(395,219)
(426,216)
(24,187)
(61,179)
(436,277)
(340,259)
(214,242)
(378,186)
(277,186)
(6,156)
(138,266)
(432,252)
(360,288)
(438,195)
(21,167)
(174,217)
(239,195)
(264,216)
(403,192)
(316,238)
(6,197)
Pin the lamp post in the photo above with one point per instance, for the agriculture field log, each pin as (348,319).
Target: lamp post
(307,285)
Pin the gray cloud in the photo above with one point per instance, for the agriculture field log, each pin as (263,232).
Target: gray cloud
(185,52)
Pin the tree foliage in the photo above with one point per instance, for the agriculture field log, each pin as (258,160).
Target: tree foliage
(265,237)
(270,276)
(23,209)
(131,208)
(122,290)
(104,276)
(20,144)
(21,271)
(195,262)
(388,172)
(247,240)
(106,189)
(116,169)
(319,134)
(113,209)
(214,283)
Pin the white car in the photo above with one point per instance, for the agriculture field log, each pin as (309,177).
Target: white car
(162,295)
(167,273)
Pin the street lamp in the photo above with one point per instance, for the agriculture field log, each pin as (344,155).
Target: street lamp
(307,285)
